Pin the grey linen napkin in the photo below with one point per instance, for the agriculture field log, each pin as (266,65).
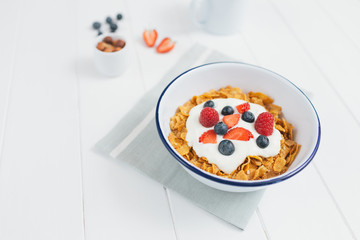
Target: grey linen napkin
(140,145)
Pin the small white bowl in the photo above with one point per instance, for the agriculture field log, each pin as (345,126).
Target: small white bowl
(297,109)
(112,63)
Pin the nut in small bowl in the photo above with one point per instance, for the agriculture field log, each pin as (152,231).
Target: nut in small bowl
(111,54)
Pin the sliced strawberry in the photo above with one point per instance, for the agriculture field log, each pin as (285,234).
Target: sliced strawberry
(208,137)
(231,120)
(165,46)
(243,107)
(238,133)
(150,37)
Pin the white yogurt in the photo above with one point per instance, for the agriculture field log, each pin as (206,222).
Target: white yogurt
(242,148)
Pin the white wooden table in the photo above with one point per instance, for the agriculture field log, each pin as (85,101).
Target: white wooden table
(54,107)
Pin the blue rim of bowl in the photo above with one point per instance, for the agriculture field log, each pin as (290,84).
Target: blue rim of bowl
(234,182)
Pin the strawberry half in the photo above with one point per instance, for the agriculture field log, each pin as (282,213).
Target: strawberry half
(208,137)
(150,37)
(243,107)
(231,120)
(238,133)
(166,45)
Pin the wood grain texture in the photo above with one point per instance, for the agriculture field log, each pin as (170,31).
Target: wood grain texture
(40,174)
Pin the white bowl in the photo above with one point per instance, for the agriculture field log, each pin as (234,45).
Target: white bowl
(112,63)
(297,109)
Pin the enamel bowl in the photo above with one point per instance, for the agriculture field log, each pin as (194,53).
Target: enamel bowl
(297,109)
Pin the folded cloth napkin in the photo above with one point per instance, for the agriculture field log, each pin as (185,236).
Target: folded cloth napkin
(139,144)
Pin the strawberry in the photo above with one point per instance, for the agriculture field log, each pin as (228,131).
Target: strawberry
(208,137)
(264,124)
(238,133)
(165,46)
(150,37)
(208,117)
(231,120)
(243,107)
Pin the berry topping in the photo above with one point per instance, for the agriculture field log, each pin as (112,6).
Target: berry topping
(150,37)
(208,117)
(119,16)
(220,128)
(243,107)
(227,110)
(262,141)
(209,104)
(226,147)
(264,124)
(108,20)
(96,25)
(238,133)
(248,117)
(231,120)
(208,137)
(113,27)
(166,45)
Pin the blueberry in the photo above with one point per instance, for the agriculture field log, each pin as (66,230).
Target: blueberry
(209,104)
(248,117)
(227,110)
(96,25)
(119,16)
(108,20)
(99,33)
(113,27)
(262,141)
(226,147)
(220,128)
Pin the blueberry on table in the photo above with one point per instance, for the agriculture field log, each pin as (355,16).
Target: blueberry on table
(119,16)
(227,110)
(109,20)
(96,25)
(99,33)
(209,104)
(262,141)
(226,147)
(220,128)
(113,27)
(248,117)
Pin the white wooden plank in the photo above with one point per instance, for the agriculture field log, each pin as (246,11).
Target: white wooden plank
(300,208)
(8,10)
(282,53)
(330,49)
(345,16)
(40,174)
(120,202)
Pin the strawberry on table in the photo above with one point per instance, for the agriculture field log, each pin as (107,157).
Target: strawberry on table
(238,133)
(208,137)
(166,45)
(150,37)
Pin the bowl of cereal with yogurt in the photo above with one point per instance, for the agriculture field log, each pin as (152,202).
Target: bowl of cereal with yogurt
(237,127)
